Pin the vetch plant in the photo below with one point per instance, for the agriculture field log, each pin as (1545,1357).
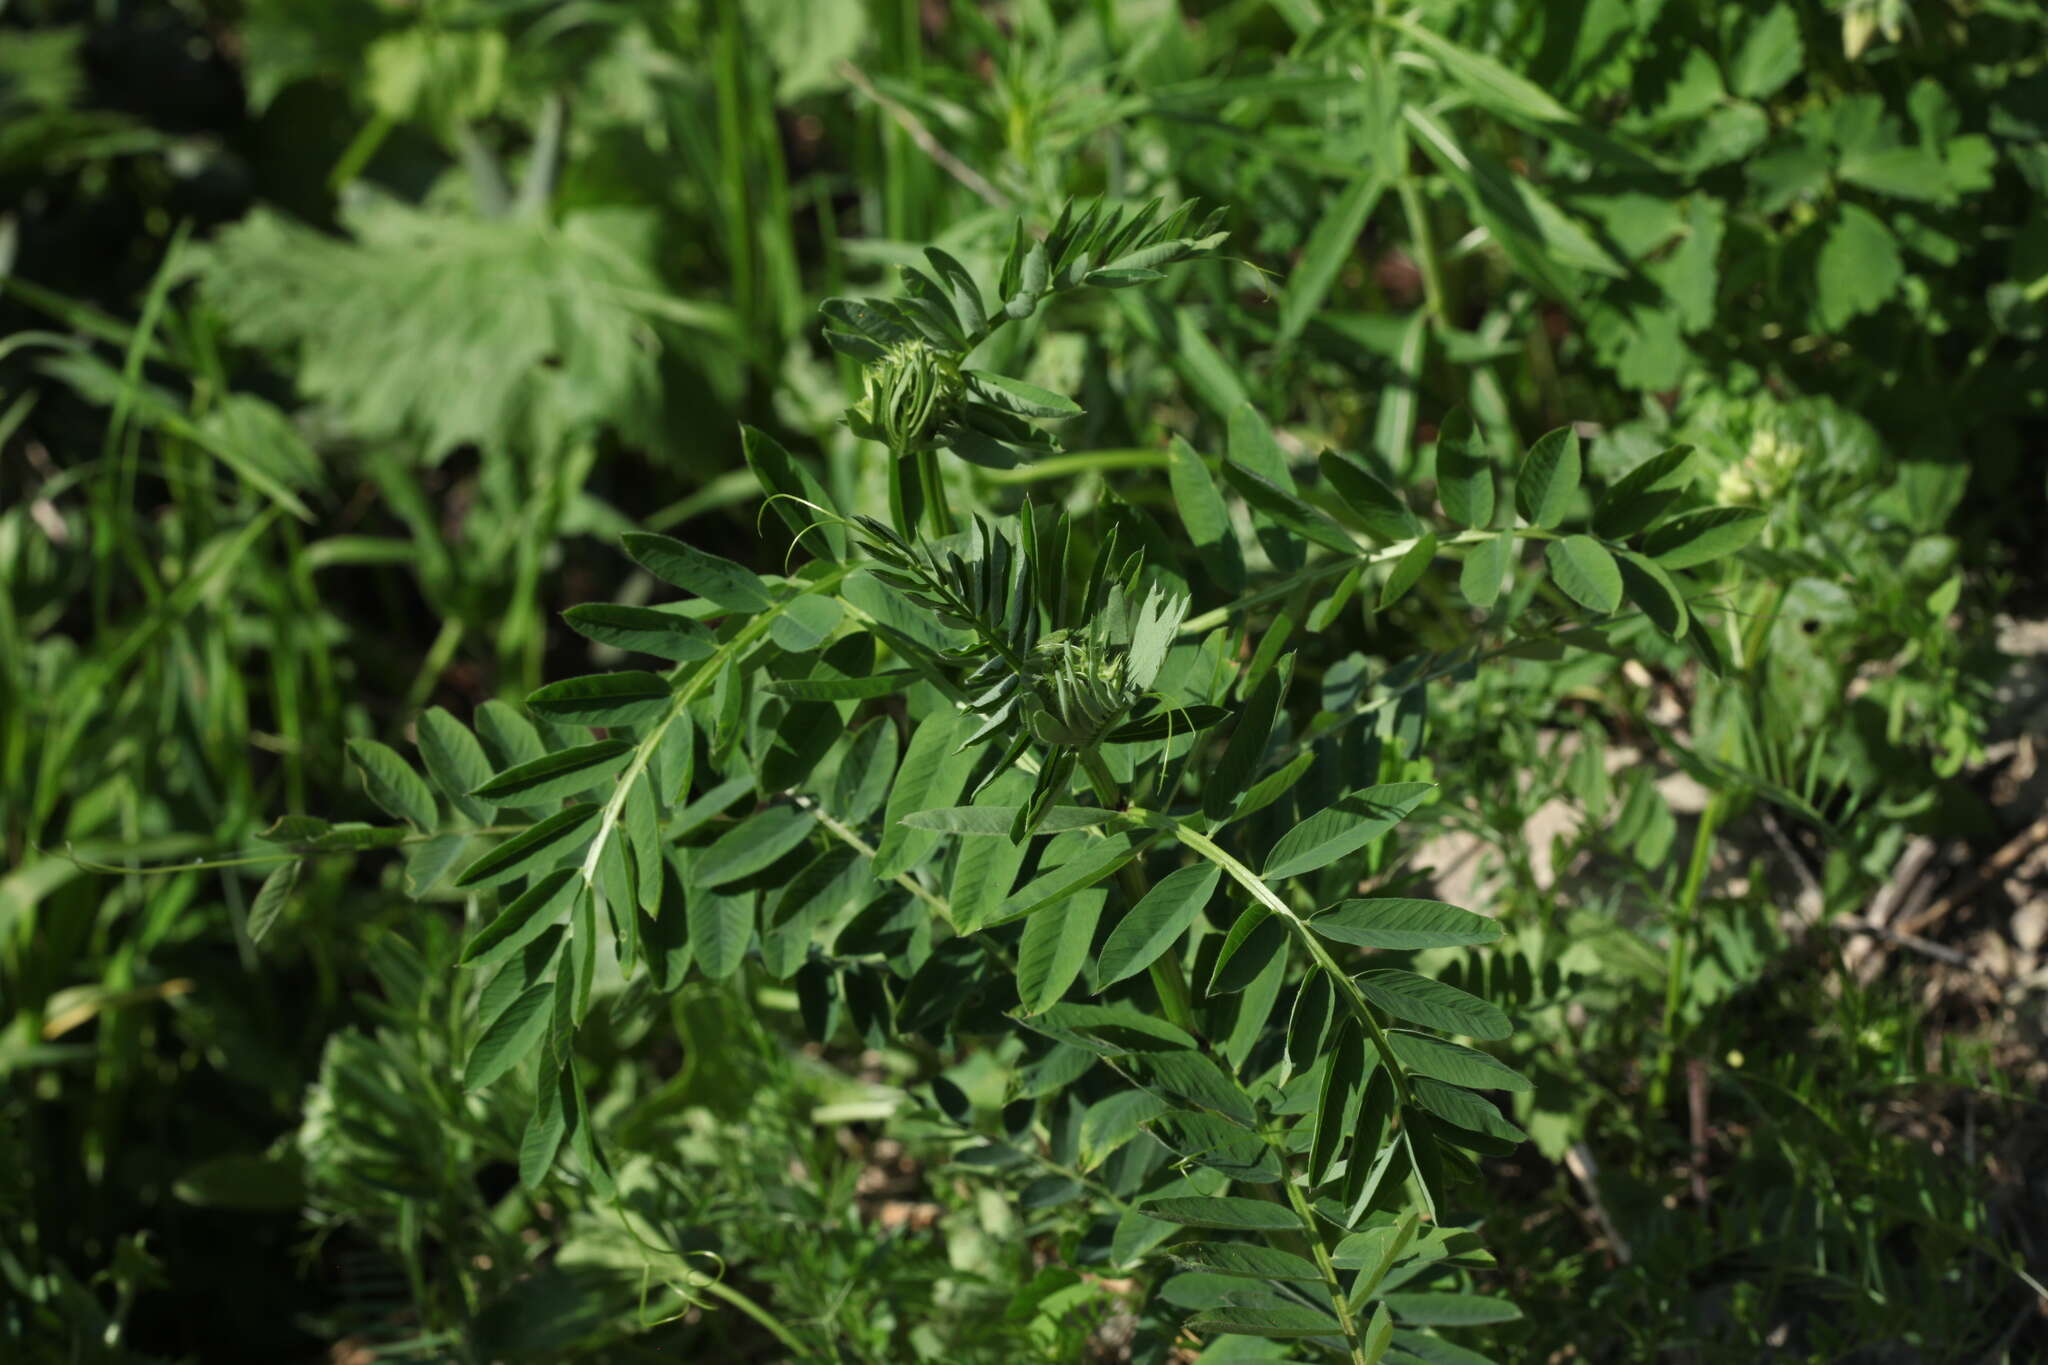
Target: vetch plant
(956,780)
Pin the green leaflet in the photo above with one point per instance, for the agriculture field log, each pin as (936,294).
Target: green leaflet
(1224,1211)
(1280,1321)
(456,762)
(1403,923)
(1464,474)
(753,844)
(393,785)
(1248,1260)
(1054,947)
(565,772)
(1652,589)
(1427,1055)
(1704,536)
(1485,564)
(1247,746)
(932,775)
(1156,922)
(524,920)
(841,689)
(721,928)
(862,782)
(1097,862)
(271,899)
(1408,569)
(1451,1310)
(642,630)
(1548,483)
(1460,1106)
(623,698)
(1255,939)
(996,820)
(559,836)
(510,1037)
(1379,509)
(1202,509)
(1643,494)
(1420,1000)
(1342,828)
(1586,572)
(730,585)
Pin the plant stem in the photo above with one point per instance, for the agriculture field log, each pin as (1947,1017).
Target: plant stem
(1340,1303)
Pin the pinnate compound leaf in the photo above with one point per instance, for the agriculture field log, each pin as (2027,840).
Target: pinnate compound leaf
(1586,573)
(1550,478)
(626,697)
(1222,1211)
(511,1036)
(532,914)
(1703,536)
(1349,824)
(1427,1055)
(392,783)
(456,762)
(1157,921)
(732,586)
(1403,923)
(643,630)
(1464,475)
(1420,1000)
(554,838)
(562,773)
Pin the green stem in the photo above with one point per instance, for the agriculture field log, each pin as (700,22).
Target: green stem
(1340,1303)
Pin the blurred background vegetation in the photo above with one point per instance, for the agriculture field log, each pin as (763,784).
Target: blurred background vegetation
(339,339)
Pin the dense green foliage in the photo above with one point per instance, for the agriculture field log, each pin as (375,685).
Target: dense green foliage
(872,681)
